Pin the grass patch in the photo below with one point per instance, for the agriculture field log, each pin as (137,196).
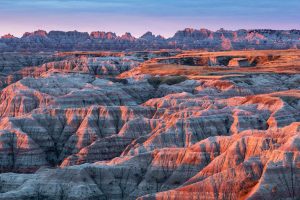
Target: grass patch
(169,80)
(291,100)
(119,80)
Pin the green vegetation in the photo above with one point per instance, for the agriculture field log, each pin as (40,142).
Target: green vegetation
(169,80)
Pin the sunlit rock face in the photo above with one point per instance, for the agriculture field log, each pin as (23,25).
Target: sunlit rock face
(185,39)
(151,124)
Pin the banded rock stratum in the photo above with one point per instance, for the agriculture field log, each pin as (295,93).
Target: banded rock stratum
(169,124)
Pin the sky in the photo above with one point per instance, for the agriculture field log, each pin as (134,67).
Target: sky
(162,17)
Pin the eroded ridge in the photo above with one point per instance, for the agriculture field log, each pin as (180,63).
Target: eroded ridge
(152,125)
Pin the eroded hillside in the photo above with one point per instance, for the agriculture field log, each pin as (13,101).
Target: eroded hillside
(151,125)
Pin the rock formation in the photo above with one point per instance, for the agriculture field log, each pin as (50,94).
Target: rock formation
(186,39)
(151,124)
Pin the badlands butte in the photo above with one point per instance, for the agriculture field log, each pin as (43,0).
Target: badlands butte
(164,124)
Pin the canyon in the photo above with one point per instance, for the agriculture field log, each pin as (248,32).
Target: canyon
(133,123)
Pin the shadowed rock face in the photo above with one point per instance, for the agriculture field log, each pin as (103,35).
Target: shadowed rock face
(152,125)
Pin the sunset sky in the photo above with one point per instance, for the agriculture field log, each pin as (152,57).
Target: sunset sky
(163,17)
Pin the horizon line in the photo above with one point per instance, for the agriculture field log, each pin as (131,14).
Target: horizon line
(157,35)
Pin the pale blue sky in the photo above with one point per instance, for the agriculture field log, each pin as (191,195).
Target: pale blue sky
(138,16)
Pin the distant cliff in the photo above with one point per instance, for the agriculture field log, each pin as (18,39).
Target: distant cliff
(185,39)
